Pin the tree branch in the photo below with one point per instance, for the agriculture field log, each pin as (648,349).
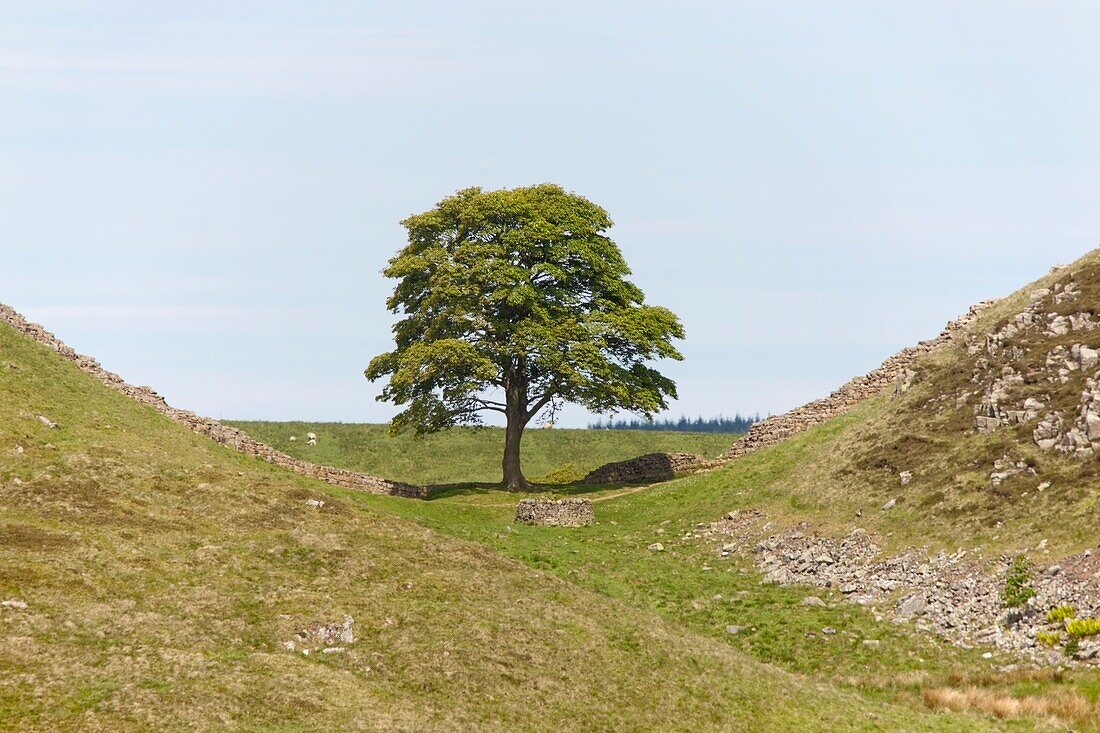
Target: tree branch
(490,405)
(540,403)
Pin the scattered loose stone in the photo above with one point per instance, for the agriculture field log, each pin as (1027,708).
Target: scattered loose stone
(317,503)
(656,547)
(734,630)
(948,594)
(13,604)
(47,422)
(889,505)
(813,601)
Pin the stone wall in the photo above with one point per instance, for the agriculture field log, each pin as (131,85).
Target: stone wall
(647,468)
(561,513)
(230,437)
(894,372)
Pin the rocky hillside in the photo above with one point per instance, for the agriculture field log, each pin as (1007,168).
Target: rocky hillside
(1005,422)
(964,497)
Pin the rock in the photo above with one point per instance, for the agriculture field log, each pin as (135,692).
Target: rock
(1036,295)
(906,477)
(813,601)
(1088,357)
(913,605)
(47,422)
(323,635)
(13,604)
(874,643)
(889,505)
(734,630)
(828,631)
(1087,651)
(656,547)
(315,503)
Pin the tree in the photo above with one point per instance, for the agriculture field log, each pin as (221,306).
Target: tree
(515,301)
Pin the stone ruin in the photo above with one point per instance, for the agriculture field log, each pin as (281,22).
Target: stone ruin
(647,468)
(555,513)
(230,437)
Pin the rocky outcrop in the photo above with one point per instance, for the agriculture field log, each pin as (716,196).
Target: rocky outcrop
(648,468)
(228,436)
(894,373)
(1010,385)
(560,513)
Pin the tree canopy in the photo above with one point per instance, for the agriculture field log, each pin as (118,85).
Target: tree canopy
(513,301)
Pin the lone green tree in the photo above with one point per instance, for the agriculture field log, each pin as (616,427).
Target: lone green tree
(515,301)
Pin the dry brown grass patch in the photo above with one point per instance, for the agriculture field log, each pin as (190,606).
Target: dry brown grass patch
(1063,707)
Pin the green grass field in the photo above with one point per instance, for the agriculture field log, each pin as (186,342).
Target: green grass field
(469,455)
(162,573)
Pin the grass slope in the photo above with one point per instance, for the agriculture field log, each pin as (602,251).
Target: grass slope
(835,477)
(690,585)
(162,573)
(472,454)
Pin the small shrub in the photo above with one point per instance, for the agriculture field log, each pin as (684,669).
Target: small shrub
(1060,614)
(1049,638)
(566,474)
(1082,627)
(1018,588)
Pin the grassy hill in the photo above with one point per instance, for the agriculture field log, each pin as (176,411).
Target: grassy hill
(162,576)
(468,455)
(855,464)
(835,478)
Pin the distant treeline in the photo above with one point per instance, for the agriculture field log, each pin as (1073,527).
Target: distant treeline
(736,424)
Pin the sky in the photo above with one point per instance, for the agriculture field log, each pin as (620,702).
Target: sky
(202,195)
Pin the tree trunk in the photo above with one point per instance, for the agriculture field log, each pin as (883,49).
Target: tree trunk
(516,412)
(513,474)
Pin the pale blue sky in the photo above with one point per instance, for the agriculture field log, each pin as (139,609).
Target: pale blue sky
(202,194)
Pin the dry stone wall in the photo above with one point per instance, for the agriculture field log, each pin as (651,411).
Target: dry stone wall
(894,372)
(650,467)
(228,436)
(561,513)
